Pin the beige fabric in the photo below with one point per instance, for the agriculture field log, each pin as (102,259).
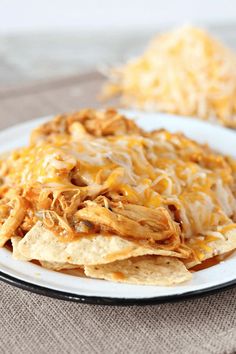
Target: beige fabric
(31,323)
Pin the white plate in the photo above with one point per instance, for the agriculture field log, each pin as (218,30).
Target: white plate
(34,278)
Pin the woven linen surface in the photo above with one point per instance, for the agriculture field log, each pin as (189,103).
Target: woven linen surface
(31,323)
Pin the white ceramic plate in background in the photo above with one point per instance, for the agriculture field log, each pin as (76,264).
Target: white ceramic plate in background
(37,279)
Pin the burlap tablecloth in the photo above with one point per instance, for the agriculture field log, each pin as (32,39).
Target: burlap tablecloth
(31,323)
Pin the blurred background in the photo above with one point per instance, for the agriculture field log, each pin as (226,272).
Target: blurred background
(41,40)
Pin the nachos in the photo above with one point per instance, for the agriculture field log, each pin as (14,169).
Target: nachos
(94,191)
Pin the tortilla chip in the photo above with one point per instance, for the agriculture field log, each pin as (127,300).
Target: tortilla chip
(214,248)
(41,244)
(57,265)
(147,270)
(49,265)
(16,254)
(76,272)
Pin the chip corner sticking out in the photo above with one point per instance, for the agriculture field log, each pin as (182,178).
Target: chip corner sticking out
(144,270)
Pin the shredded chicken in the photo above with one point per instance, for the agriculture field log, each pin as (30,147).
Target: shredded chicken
(156,229)
(13,221)
(84,123)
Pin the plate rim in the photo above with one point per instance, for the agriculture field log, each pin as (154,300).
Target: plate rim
(113,301)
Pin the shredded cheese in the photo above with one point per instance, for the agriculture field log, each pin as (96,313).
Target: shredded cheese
(184,72)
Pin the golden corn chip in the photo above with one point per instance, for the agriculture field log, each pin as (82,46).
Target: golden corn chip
(146,270)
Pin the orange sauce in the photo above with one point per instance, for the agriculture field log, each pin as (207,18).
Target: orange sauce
(120,254)
(228,228)
(212,261)
(118,276)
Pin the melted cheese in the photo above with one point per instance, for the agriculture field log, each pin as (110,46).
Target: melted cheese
(155,170)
